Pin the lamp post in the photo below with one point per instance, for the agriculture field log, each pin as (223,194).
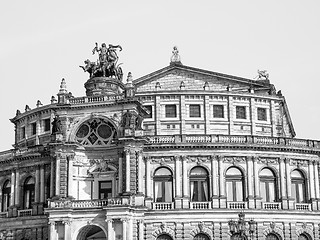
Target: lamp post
(241,228)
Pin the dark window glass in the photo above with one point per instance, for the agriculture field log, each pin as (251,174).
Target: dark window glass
(164,237)
(268,185)
(201,236)
(271,236)
(241,112)
(23,132)
(171,111)
(303,237)
(199,187)
(234,183)
(298,186)
(6,195)
(218,111)
(149,108)
(105,189)
(47,125)
(163,185)
(194,111)
(34,128)
(28,193)
(262,114)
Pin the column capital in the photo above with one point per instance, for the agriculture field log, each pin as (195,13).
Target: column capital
(177,158)
(184,158)
(66,222)
(147,158)
(215,157)
(52,222)
(287,160)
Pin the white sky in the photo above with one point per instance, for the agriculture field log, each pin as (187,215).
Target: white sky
(42,42)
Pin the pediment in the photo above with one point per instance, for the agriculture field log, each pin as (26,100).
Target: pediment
(180,77)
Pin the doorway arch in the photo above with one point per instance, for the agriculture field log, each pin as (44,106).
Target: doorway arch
(91,232)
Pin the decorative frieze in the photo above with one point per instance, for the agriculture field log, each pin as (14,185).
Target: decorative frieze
(268,161)
(298,162)
(234,160)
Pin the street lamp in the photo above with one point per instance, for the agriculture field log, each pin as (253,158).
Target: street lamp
(241,228)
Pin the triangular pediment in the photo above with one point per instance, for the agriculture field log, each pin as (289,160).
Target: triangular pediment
(179,77)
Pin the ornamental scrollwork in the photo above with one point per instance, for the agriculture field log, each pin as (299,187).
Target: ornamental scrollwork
(298,162)
(268,161)
(234,160)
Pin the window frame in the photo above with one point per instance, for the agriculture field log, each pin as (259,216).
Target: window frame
(150,115)
(220,115)
(198,181)
(268,180)
(28,193)
(295,183)
(239,112)
(6,191)
(46,125)
(264,117)
(168,113)
(162,179)
(194,113)
(234,179)
(109,191)
(33,128)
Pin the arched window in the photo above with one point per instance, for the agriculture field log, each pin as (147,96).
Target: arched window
(235,182)
(268,185)
(201,236)
(164,237)
(199,187)
(6,195)
(304,236)
(163,185)
(28,193)
(298,186)
(237,236)
(272,236)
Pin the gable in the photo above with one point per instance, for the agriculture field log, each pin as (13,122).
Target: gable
(187,78)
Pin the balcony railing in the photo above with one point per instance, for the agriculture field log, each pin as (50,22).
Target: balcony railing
(94,203)
(235,139)
(200,205)
(3,214)
(162,206)
(93,99)
(303,206)
(24,212)
(271,205)
(237,205)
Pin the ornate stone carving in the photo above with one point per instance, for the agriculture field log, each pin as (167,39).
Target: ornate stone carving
(198,159)
(298,162)
(234,160)
(268,161)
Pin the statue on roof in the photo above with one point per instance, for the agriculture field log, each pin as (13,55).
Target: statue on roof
(175,58)
(106,65)
(262,74)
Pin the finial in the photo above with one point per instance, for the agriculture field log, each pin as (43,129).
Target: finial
(175,58)
(129,78)
(53,100)
(39,103)
(18,112)
(63,86)
(27,108)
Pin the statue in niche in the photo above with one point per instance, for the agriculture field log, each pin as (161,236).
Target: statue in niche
(139,120)
(56,125)
(126,119)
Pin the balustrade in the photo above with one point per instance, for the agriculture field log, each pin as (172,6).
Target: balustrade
(162,206)
(25,212)
(200,205)
(237,205)
(271,205)
(3,214)
(303,206)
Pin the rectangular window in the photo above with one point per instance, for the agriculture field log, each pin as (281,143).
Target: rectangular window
(241,112)
(171,111)
(33,128)
(47,125)
(262,114)
(149,108)
(194,111)
(105,189)
(23,132)
(218,111)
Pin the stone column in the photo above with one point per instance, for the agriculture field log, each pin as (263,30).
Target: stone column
(256,183)
(110,229)
(140,174)
(157,111)
(183,114)
(253,116)
(130,229)
(250,178)
(206,114)
(124,229)
(282,184)
(223,200)
(57,176)
(178,203)
(67,229)
(42,184)
(17,190)
(312,184)
(70,176)
(185,184)
(37,185)
(13,179)
(52,174)
(52,231)
(230,114)
(141,230)
(288,181)
(127,154)
(214,173)
(148,177)
(273,119)
(120,180)
(316,179)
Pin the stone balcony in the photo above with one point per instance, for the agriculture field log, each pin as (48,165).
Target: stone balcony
(94,203)
(245,140)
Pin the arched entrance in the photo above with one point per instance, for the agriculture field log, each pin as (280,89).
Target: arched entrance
(91,232)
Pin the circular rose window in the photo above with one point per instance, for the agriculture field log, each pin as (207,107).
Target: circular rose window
(95,132)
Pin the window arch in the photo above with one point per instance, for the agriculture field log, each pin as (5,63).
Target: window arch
(201,236)
(304,236)
(28,193)
(199,185)
(235,185)
(237,236)
(96,132)
(163,185)
(272,236)
(164,237)
(268,185)
(6,196)
(298,186)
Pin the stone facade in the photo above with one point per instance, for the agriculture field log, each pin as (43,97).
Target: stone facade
(210,146)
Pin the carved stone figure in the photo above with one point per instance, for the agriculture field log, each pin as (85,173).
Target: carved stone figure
(90,67)
(126,119)
(139,121)
(175,55)
(262,74)
(56,125)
